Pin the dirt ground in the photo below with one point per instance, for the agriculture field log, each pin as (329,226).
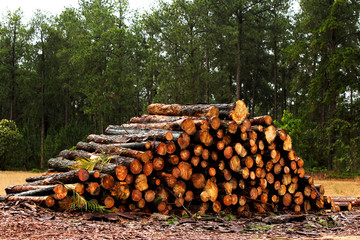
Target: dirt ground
(25,221)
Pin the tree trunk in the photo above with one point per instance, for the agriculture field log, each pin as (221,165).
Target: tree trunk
(275,78)
(239,48)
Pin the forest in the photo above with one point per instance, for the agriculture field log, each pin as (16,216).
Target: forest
(66,76)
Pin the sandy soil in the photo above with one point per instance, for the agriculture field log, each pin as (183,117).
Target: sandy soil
(8,178)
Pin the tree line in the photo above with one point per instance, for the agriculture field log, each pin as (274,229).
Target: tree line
(63,77)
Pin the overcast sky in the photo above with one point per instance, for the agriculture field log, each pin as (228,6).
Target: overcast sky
(57,6)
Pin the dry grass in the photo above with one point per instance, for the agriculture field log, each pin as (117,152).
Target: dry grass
(342,187)
(8,178)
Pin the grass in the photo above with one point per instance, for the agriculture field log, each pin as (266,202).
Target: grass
(8,178)
(341,187)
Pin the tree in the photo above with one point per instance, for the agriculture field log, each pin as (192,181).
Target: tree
(327,52)
(13,39)
(9,140)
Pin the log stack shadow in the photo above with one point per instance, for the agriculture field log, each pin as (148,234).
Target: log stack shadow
(185,159)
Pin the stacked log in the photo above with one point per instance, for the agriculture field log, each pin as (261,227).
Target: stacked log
(190,158)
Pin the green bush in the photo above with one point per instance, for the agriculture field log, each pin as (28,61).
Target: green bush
(10,138)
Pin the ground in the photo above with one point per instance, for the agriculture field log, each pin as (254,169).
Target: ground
(25,221)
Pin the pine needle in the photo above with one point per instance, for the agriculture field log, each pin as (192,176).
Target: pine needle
(80,203)
(90,164)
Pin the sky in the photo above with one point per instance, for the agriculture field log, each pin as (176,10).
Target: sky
(57,6)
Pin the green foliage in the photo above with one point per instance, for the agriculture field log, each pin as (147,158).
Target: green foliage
(173,219)
(292,125)
(36,170)
(64,138)
(229,217)
(10,137)
(90,164)
(343,175)
(80,203)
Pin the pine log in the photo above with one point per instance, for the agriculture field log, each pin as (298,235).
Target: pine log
(189,196)
(107,181)
(184,140)
(179,189)
(344,206)
(43,200)
(270,134)
(211,189)
(74,176)
(59,164)
(204,137)
(64,165)
(235,164)
(198,110)
(129,131)
(198,180)
(237,111)
(141,182)
(158,163)
(37,178)
(287,144)
(108,201)
(71,155)
(136,136)
(148,168)
(120,191)
(93,188)
(59,191)
(35,189)
(185,170)
(149,195)
(355,201)
(261,120)
(121,149)
(145,118)
(186,124)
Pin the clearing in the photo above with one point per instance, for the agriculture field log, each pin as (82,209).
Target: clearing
(25,221)
(333,187)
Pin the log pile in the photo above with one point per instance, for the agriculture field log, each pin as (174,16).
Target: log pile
(184,158)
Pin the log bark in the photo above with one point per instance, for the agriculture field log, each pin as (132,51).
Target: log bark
(118,134)
(37,178)
(145,118)
(43,200)
(114,149)
(35,190)
(74,176)
(186,125)
(71,155)
(199,110)
(65,165)
(237,111)
(261,120)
